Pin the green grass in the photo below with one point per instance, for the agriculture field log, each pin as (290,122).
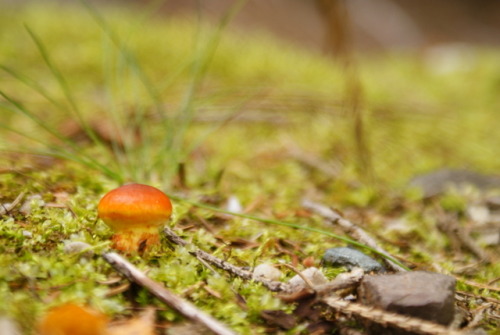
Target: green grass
(155,82)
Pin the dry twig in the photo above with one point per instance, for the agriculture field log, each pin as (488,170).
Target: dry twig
(185,308)
(6,208)
(344,281)
(382,317)
(449,225)
(350,228)
(478,315)
(476,296)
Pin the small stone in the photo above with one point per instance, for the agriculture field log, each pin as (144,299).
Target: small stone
(480,214)
(76,247)
(424,295)
(351,258)
(266,271)
(27,234)
(234,205)
(315,276)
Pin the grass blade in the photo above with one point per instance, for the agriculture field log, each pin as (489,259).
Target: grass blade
(174,142)
(64,86)
(33,85)
(127,54)
(19,108)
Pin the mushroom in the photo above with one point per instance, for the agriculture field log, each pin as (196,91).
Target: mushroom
(72,319)
(135,212)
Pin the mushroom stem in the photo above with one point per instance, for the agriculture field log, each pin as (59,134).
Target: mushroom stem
(133,239)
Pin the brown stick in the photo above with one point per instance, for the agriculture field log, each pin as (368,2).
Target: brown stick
(185,308)
(7,208)
(382,317)
(350,228)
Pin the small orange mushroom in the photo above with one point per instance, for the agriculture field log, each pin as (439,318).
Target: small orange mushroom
(135,212)
(71,319)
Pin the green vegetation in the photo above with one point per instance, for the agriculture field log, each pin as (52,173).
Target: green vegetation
(209,114)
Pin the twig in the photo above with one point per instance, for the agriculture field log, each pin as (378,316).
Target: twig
(382,317)
(448,224)
(306,280)
(7,208)
(478,315)
(475,296)
(327,169)
(491,282)
(350,228)
(343,281)
(479,285)
(274,286)
(185,308)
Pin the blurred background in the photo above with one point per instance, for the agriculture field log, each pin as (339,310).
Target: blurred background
(424,81)
(326,25)
(333,25)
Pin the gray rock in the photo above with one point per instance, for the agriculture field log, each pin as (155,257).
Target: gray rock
(351,258)
(424,295)
(440,181)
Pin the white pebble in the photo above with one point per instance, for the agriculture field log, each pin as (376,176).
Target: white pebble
(234,205)
(266,271)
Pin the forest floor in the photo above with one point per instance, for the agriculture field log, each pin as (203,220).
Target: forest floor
(225,122)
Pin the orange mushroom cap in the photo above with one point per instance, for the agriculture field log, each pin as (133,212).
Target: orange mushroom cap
(71,319)
(134,209)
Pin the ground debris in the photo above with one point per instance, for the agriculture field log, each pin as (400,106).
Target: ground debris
(144,324)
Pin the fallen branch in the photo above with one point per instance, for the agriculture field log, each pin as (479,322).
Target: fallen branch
(382,317)
(185,308)
(350,228)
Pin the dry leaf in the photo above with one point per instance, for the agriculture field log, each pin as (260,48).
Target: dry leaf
(142,325)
